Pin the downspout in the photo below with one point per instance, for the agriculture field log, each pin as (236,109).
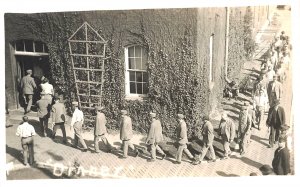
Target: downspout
(226,42)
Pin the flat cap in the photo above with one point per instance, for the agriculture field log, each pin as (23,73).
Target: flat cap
(123,112)
(29,71)
(99,108)
(152,114)
(284,127)
(75,103)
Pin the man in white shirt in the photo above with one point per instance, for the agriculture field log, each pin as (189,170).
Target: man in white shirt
(47,88)
(76,123)
(26,132)
(259,103)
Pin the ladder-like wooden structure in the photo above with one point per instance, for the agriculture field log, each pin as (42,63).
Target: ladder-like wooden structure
(87,50)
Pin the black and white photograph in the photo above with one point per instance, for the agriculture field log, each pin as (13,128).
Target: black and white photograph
(158,92)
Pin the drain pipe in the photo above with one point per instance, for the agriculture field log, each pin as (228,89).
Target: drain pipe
(226,42)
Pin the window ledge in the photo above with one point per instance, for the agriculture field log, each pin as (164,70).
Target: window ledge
(136,97)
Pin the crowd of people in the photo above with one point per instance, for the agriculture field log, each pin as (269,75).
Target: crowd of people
(267,91)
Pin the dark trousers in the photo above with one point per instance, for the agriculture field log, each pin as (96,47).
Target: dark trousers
(28,99)
(27,145)
(44,125)
(274,136)
(62,127)
(259,115)
(78,135)
(104,140)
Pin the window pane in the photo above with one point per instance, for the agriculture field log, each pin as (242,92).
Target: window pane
(20,45)
(131,52)
(131,76)
(139,88)
(29,45)
(38,47)
(144,65)
(144,60)
(131,63)
(138,51)
(132,88)
(138,63)
(145,88)
(145,77)
(139,77)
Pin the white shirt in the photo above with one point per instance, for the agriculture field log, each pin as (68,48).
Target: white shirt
(47,88)
(270,75)
(77,116)
(25,130)
(260,100)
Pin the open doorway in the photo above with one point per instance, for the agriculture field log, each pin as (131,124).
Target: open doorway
(39,66)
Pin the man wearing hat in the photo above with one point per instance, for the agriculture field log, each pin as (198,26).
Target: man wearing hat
(100,131)
(28,86)
(208,139)
(281,160)
(76,123)
(43,109)
(266,170)
(59,118)
(126,134)
(154,137)
(286,135)
(274,90)
(244,129)
(259,103)
(227,133)
(276,118)
(182,140)
(258,85)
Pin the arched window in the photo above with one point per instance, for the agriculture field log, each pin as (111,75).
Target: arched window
(136,71)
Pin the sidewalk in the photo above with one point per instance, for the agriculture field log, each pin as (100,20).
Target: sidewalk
(58,154)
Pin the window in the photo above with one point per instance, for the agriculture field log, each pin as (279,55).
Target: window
(211,50)
(136,71)
(30,48)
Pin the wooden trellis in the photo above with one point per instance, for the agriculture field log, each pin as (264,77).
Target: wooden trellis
(87,50)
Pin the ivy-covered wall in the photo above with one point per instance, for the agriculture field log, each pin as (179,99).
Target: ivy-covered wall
(177,42)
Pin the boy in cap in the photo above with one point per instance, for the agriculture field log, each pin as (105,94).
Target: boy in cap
(182,140)
(43,106)
(26,132)
(28,86)
(281,160)
(76,123)
(126,134)
(154,137)
(227,133)
(100,130)
(266,170)
(208,139)
(59,118)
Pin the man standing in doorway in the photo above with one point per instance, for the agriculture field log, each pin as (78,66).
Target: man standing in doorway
(28,86)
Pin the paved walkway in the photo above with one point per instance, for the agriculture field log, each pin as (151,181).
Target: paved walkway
(48,152)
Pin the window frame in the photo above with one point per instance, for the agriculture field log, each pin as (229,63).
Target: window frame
(30,53)
(127,76)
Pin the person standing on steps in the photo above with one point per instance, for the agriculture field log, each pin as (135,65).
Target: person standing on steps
(59,118)
(28,86)
(26,132)
(126,134)
(76,124)
(227,133)
(100,131)
(43,112)
(208,139)
(259,103)
(154,137)
(182,140)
